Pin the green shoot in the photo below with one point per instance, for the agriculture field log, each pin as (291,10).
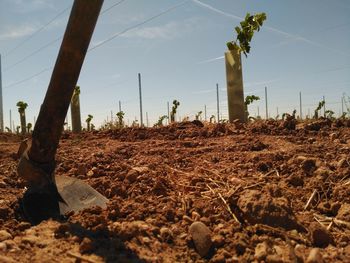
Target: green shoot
(245,33)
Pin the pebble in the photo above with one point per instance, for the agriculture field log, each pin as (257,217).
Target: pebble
(343,163)
(31,240)
(132,175)
(320,235)
(4,259)
(195,216)
(308,166)
(261,251)
(86,245)
(218,240)
(201,236)
(344,212)
(3,246)
(4,235)
(166,234)
(315,256)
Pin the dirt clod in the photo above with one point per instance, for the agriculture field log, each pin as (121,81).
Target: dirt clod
(4,235)
(315,256)
(262,208)
(320,236)
(86,245)
(261,251)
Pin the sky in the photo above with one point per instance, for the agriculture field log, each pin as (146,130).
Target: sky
(178,47)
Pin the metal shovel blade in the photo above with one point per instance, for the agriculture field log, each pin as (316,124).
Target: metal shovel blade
(77,195)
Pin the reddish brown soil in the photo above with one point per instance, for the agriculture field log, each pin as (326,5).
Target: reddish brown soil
(161,180)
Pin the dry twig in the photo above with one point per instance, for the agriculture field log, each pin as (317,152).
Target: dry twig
(80,257)
(310,199)
(226,204)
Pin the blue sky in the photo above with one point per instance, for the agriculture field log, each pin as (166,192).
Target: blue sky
(303,46)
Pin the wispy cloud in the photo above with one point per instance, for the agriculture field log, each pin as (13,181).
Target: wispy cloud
(292,37)
(26,6)
(169,30)
(16,32)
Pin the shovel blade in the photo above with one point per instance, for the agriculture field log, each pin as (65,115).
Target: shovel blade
(77,195)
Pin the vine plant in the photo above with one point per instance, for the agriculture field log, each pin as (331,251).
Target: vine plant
(245,32)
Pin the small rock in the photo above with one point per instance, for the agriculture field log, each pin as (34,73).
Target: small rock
(296,180)
(201,236)
(86,245)
(218,240)
(323,173)
(132,175)
(23,226)
(261,251)
(141,169)
(274,259)
(3,246)
(344,212)
(187,219)
(195,216)
(31,240)
(343,163)
(333,136)
(90,173)
(315,256)
(166,234)
(4,259)
(4,235)
(308,166)
(320,236)
(81,169)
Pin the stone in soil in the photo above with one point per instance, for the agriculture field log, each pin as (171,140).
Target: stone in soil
(344,212)
(261,251)
(262,208)
(315,256)
(201,236)
(4,235)
(86,245)
(320,236)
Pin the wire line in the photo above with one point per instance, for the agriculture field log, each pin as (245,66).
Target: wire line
(36,32)
(108,39)
(54,41)
(139,24)
(32,54)
(28,78)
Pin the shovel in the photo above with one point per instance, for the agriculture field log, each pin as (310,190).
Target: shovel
(47,195)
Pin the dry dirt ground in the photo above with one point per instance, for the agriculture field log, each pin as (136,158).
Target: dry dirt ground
(269,191)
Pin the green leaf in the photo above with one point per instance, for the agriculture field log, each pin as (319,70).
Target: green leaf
(245,33)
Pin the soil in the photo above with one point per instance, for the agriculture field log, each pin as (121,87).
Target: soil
(193,192)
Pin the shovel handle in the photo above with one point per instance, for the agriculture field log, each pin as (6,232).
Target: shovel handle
(49,125)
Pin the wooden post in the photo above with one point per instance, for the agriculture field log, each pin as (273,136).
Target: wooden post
(301,107)
(234,79)
(267,113)
(217,101)
(324,107)
(1,103)
(168,121)
(11,121)
(140,94)
(48,127)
